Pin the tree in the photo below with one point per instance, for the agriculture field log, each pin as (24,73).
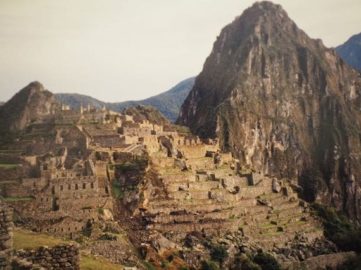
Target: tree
(219,253)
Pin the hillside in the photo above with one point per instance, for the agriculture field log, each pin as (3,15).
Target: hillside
(284,104)
(168,103)
(350,51)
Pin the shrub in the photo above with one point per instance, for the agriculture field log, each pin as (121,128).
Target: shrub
(266,261)
(338,229)
(209,265)
(108,237)
(243,262)
(219,253)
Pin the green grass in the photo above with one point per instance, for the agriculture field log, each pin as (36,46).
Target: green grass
(16,199)
(9,151)
(88,262)
(149,266)
(24,239)
(116,190)
(8,166)
(8,182)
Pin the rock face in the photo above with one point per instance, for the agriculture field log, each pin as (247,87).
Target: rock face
(148,113)
(350,51)
(284,104)
(28,105)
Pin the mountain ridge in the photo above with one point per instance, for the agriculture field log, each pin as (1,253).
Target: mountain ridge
(168,102)
(350,51)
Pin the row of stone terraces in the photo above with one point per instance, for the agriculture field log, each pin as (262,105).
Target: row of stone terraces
(201,204)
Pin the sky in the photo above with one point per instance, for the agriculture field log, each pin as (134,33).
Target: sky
(117,50)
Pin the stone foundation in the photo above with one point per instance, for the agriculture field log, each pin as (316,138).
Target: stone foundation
(59,257)
(6,242)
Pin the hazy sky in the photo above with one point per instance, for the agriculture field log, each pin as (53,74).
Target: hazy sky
(117,50)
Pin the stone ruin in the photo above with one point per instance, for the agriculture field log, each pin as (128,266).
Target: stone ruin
(62,257)
(63,200)
(6,235)
(215,196)
(189,186)
(58,257)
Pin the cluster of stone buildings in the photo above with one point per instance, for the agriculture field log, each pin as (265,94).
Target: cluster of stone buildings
(58,257)
(71,186)
(64,200)
(189,186)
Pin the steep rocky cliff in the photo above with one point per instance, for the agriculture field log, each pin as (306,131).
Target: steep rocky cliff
(28,105)
(284,104)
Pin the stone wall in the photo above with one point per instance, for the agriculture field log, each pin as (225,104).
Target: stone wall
(328,261)
(6,242)
(58,257)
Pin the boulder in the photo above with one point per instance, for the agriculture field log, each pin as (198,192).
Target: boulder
(276,186)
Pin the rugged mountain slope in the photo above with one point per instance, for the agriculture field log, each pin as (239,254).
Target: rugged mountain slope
(149,113)
(168,103)
(284,104)
(26,106)
(350,51)
(76,100)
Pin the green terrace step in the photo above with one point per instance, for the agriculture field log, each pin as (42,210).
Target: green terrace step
(279,222)
(277,237)
(214,225)
(286,205)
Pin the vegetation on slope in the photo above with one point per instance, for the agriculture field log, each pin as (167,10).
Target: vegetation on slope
(338,229)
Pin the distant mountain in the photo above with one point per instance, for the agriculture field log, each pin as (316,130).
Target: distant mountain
(350,51)
(168,103)
(75,100)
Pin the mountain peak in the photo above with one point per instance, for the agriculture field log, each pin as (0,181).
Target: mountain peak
(264,9)
(27,105)
(268,93)
(266,6)
(36,85)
